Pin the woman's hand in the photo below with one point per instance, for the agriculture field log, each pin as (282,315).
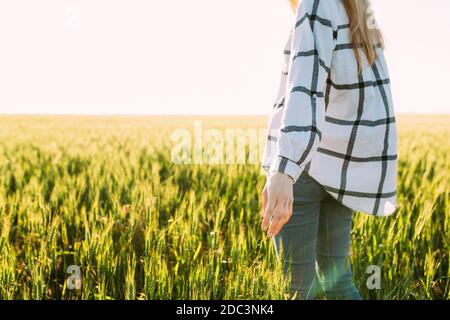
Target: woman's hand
(277,199)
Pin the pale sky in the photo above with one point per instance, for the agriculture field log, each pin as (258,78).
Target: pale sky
(191,57)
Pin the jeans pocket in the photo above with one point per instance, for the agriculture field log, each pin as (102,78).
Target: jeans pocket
(304,178)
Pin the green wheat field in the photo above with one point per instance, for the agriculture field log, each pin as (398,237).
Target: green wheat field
(103,194)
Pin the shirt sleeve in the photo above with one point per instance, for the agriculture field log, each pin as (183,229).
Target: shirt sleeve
(303,116)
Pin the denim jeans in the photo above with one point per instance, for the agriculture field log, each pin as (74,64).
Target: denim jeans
(317,235)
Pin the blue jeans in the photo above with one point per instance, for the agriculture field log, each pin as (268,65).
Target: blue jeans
(318,233)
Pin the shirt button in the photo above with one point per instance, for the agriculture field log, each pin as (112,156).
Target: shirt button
(314,95)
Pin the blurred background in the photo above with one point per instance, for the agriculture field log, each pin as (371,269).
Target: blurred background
(190,57)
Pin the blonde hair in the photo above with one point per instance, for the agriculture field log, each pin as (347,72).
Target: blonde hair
(361,35)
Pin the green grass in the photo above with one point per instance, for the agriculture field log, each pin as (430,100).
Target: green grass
(102,193)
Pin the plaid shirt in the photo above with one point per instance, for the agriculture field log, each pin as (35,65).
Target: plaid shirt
(328,120)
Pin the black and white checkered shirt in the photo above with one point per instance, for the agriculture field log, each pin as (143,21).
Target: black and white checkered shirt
(337,125)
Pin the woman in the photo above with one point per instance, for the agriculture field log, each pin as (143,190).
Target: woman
(332,144)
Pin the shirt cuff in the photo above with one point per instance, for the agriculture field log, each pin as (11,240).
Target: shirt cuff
(265,170)
(286,166)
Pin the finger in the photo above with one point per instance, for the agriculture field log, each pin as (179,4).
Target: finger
(280,218)
(264,203)
(268,212)
(277,222)
(289,211)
